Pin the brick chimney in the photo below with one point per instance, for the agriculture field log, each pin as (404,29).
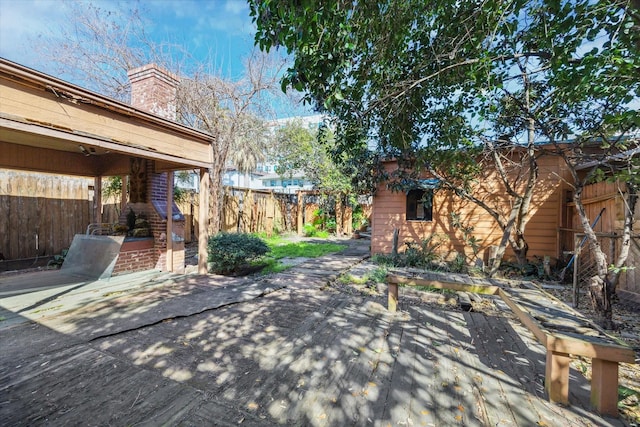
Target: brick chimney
(153,89)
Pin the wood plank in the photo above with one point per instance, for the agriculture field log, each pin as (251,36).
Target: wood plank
(557,377)
(582,347)
(440,284)
(525,318)
(604,386)
(42,107)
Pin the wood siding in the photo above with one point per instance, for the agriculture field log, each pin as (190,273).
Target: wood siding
(541,232)
(44,108)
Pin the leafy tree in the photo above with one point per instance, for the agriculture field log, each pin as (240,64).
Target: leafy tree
(297,148)
(412,77)
(441,85)
(112,191)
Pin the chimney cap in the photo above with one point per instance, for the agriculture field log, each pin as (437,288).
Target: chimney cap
(152,70)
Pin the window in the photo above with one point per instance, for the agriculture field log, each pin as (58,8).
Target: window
(272,183)
(420,205)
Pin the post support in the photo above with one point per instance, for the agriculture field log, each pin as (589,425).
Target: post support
(604,386)
(557,377)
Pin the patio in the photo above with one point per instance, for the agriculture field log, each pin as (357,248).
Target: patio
(289,349)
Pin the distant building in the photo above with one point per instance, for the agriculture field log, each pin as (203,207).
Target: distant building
(232,177)
(289,184)
(312,122)
(264,177)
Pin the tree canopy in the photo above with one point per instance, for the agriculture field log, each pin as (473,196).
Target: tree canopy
(297,148)
(410,74)
(441,84)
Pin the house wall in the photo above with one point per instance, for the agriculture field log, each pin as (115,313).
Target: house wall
(542,231)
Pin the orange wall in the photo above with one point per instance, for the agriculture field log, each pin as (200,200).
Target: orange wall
(541,232)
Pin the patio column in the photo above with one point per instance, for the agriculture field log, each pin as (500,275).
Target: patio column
(170,221)
(203,221)
(97,199)
(123,194)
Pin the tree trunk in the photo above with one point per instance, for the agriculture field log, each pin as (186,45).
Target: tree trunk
(506,238)
(520,248)
(600,290)
(601,293)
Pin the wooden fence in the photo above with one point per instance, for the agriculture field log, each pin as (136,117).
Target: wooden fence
(39,217)
(40,213)
(603,198)
(585,264)
(263,211)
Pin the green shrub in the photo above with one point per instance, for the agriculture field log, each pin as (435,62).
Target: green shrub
(229,252)
(458,264)
(422,255)
(387,260)
(311,230)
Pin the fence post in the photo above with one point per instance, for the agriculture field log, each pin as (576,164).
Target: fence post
(339,215)
(576,260)
(300,214)
(270,208)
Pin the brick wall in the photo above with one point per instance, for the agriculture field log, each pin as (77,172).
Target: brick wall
(135,260)
(154,90)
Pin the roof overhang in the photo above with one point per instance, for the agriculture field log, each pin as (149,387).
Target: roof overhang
(48,125)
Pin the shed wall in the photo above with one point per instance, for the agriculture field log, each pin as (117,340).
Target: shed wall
(542,232)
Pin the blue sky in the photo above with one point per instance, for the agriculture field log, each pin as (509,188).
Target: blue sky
(219,29)
(222,27)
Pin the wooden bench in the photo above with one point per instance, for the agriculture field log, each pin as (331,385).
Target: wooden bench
(562,331)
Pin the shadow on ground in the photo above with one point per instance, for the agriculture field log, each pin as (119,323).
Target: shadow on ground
(284,351)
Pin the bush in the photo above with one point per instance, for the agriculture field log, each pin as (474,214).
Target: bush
(230,252)
(311,230)
(422,255)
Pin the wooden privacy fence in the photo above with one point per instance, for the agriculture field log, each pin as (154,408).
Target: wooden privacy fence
(602,201)
(40,213)
(585,264)
(263,211)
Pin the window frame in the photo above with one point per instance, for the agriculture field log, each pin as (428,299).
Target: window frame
(416,197)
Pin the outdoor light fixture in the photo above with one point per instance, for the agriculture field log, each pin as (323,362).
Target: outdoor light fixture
(89,152)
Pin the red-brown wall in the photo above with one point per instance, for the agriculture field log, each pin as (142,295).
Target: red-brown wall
(542,231)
